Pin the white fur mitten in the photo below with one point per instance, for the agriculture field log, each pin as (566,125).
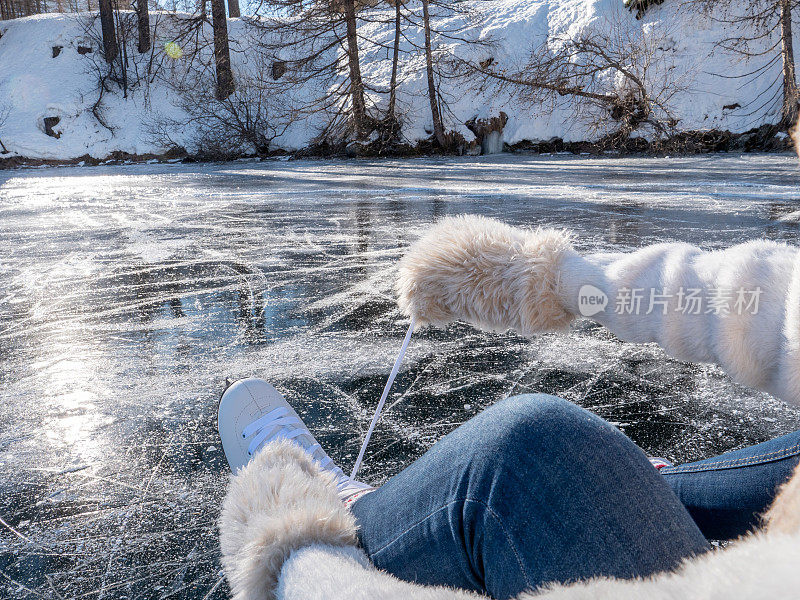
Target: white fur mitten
(739,308)
(486,273)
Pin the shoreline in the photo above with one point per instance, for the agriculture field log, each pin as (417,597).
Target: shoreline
(764,139)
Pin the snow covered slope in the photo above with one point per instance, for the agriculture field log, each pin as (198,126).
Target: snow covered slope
(35,84)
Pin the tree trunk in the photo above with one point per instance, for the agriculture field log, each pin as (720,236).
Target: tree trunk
(222,51)
(233,9)
(438,127)
(107,27)
(395,60)
(143,20)
(356,83)
(790,93)
(123,46)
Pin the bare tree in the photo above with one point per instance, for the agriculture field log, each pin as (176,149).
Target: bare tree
(615,81)
(222,51)
(433,96)
(107,28)
(761,31)
(314,44)
(233,9)
(436,24)
(390,112)
(129,70)
(143,22)
(245,122)
(790,92)
(359,107)
(641,6)
(9,9)
(4,112)
(12,9)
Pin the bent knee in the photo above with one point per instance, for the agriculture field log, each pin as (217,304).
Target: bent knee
(534,425)
(538,407)
(539,413)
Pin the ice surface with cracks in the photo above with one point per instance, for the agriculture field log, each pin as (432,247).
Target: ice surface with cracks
(129,294)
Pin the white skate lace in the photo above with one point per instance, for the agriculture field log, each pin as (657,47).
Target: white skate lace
(382,401)
(279,424)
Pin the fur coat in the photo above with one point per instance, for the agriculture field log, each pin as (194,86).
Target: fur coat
(285,534)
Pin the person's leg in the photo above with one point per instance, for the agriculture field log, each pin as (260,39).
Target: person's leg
(726,495)
(533,490)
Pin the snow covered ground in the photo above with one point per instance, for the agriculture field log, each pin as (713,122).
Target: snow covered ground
(34,84)
(128,294)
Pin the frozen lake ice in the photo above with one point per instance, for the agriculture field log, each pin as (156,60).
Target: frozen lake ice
(128,295)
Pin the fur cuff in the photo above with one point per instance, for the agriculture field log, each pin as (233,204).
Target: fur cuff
(280,502)
(486,273)
(784,514)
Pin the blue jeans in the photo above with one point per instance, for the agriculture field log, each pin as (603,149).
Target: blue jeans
(536,489)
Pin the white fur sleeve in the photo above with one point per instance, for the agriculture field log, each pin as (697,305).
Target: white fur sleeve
(739,308)
(758,566)
(285,535)
(329,573)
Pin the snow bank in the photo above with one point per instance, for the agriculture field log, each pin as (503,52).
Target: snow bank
(35,84)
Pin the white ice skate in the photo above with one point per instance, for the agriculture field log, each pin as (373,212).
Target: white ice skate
(252,413)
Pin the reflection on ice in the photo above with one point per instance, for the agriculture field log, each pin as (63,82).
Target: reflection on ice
(128,294)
